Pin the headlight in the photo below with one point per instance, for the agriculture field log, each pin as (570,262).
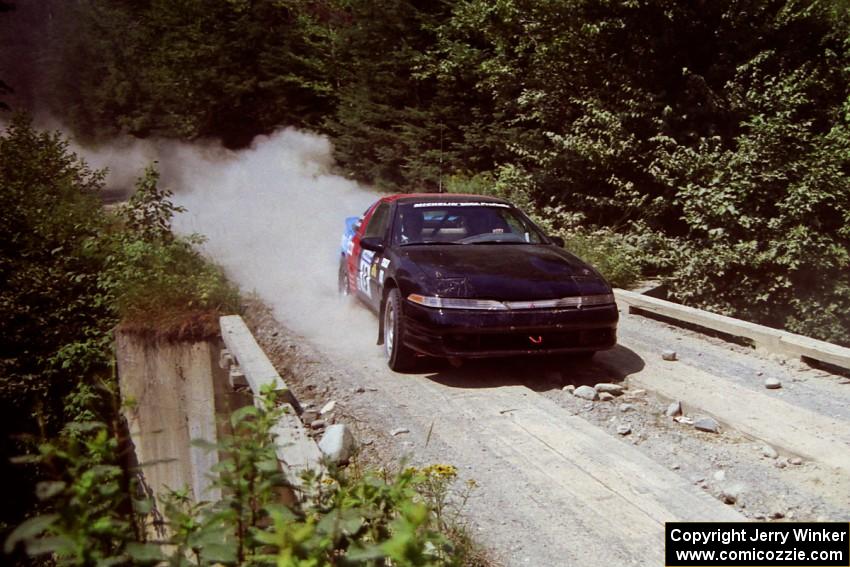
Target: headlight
(455,303)
(576,302)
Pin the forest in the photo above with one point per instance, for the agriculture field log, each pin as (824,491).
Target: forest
(704,143)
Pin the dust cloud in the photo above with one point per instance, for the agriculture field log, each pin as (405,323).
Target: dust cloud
(272,216)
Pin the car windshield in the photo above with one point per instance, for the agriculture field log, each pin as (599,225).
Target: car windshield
(463,223)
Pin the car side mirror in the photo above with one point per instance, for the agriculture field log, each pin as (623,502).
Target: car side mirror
(557,241)
(372,243)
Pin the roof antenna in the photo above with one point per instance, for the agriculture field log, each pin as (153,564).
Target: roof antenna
(440,186)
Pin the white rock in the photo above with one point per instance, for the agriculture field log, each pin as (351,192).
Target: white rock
(399,431)
(569,388)
(732,493)
(769,452)
(674,409)
(720,475)
(795,461)
(669,355)
(585,393)
(613,389)
(626,407)
(624,429)
(328,407)
(772,383)
(708,424)
(337,443)
(605,397)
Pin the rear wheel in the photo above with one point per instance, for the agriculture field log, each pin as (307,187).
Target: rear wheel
(399,356)
(342,284)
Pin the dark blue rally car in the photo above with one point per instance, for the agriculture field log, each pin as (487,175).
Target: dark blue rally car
(466,276)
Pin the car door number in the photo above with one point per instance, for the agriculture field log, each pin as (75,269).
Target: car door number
(366,257)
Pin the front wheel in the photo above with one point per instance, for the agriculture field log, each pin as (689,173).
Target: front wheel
(399,356)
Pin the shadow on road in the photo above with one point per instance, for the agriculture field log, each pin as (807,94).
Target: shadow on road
(537,373)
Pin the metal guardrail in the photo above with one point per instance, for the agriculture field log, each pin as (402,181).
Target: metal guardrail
(766,338)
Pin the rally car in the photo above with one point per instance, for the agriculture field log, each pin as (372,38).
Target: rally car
(467,276)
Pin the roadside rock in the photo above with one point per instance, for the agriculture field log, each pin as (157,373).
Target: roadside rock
(728,497)
(708,424)
(605,397)
(772,384)
(674,409)
(318,424)
(731,494)
(624,429)
(626,407)
(669,355)
(328,407)
(769,452)
(569,388)
(337,443)
(585,393)
(608,388)
(399,431)
(795,461)
(720,475)
(309,416)
(781,463)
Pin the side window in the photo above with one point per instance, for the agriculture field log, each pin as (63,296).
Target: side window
(378,223)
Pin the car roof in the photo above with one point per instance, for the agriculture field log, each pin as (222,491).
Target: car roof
(442,198)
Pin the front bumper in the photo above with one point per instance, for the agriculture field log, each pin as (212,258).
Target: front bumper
(479,334)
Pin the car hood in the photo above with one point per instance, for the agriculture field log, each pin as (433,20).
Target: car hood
(508,272)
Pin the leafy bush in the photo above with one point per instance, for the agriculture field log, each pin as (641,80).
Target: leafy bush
(367,519)
(53,324)
(160,284)
(68,272)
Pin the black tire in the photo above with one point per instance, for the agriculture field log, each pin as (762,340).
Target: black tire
(342,282)
(399,356)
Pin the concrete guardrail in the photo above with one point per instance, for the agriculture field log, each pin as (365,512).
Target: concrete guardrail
(295,449)
(766,338)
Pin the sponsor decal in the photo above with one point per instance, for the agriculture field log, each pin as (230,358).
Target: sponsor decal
(462,204)
(385,262)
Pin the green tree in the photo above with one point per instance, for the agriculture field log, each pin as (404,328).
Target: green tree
(53,324)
